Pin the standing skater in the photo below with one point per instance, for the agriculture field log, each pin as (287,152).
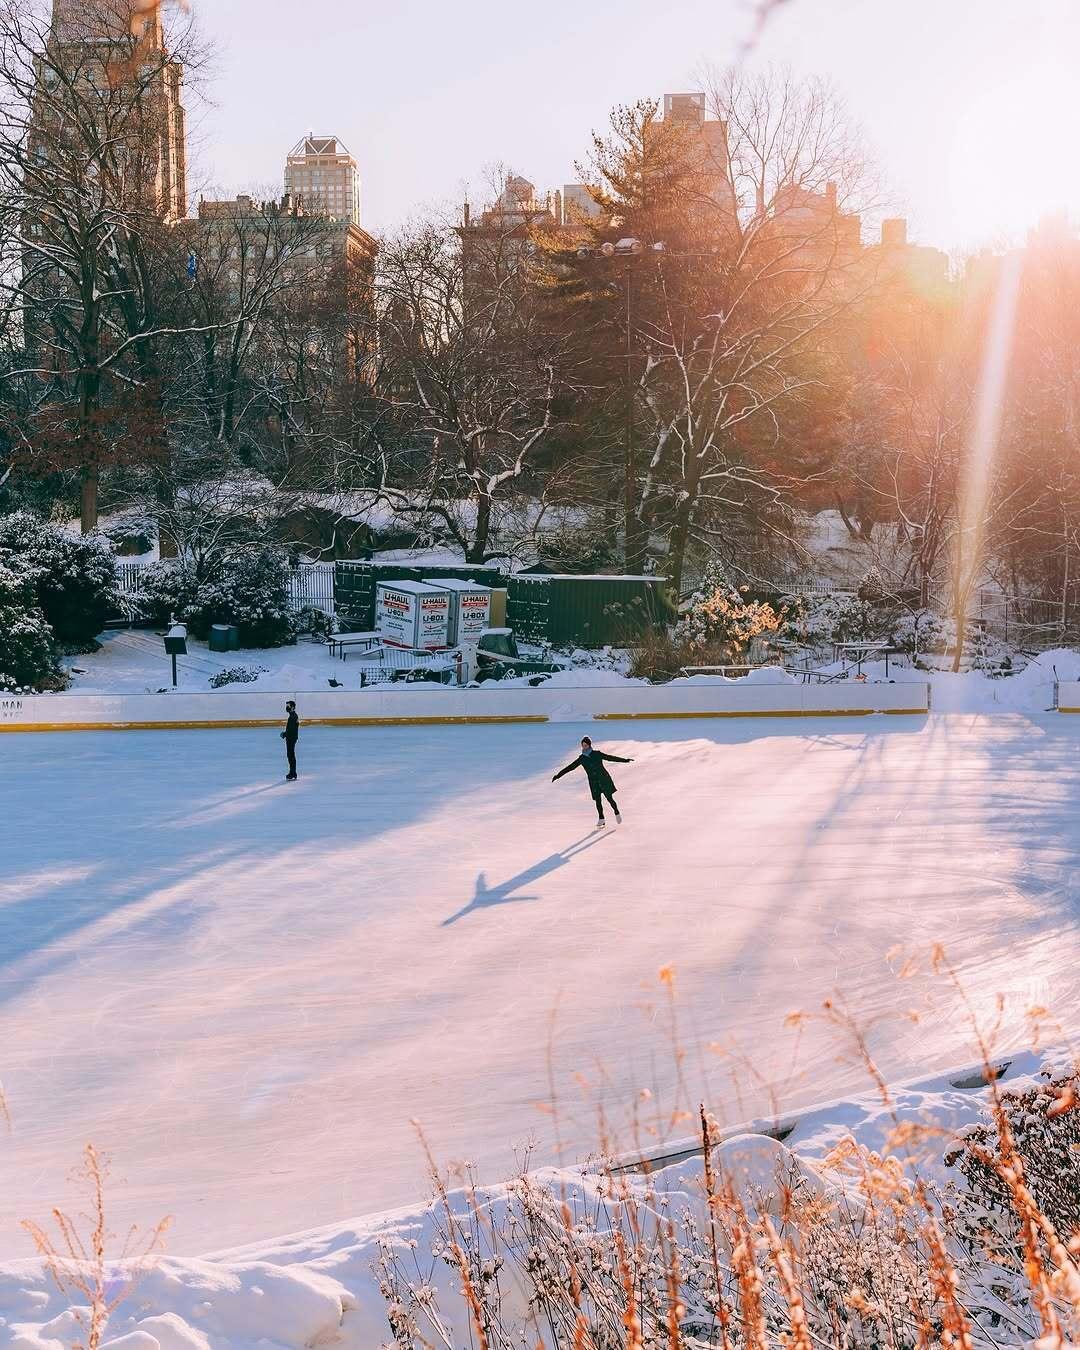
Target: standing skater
(600,784)
(290,736)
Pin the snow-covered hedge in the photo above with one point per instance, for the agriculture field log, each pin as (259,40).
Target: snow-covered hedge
(73,575)
(818,620)
(926,632)
(170,590)
(28,658)
(250,590)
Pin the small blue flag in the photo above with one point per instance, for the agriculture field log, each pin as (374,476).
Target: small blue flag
(192,265)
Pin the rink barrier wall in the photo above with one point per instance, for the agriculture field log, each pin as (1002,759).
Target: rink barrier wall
(420,706)
(1067,696)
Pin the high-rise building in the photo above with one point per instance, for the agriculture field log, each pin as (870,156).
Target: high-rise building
(322,174)
(704,141)
(127,40)
(578,204)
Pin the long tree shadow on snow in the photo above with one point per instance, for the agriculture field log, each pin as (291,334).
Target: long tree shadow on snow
(486,896)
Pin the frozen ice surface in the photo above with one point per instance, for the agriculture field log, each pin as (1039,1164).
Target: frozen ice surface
(244,990)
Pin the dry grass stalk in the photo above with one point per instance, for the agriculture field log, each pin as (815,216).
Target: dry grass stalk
(870,1255)
(81,1265)
(721,1311)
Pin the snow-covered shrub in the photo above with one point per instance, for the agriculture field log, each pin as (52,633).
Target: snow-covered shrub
(1042,1133)
(73,575)
(719,618)
(314,622)
(129,533)
(170,590)
(236,675)
(926,632)
(252,592)
(818,620)
(27,650)
(872,586)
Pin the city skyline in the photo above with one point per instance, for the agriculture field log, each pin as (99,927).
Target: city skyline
(426,103)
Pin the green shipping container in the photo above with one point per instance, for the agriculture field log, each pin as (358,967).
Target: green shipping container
(586,611)
(355,582)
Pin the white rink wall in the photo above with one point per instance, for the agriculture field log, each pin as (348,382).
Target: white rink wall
(424,703)
(1068,696)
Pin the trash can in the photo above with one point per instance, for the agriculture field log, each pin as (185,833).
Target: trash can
(234,638)
(219,637)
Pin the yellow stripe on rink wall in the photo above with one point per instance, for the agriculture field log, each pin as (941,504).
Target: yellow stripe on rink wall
(755,712)
(509,719)
(254,723)
(1068,696)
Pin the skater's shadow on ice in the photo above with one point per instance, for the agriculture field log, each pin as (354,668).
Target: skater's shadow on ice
(213,810)
(486,896)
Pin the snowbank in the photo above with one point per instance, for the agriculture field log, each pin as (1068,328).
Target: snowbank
(582,677)
(1029,691)
(764,675)
(322,1287)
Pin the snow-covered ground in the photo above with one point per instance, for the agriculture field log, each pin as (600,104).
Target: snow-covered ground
(133,662)
(321,1287)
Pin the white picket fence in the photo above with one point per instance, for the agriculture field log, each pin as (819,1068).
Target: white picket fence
(311,585)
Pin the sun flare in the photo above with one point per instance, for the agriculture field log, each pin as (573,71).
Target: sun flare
(1011,149)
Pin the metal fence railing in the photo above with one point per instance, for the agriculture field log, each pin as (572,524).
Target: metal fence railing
(129,578)
(1030,621)
(311,585)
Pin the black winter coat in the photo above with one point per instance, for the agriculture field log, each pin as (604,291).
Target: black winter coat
(593,764)
(292,729)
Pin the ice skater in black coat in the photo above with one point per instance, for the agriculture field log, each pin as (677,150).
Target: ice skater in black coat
(600,784)
(290,736)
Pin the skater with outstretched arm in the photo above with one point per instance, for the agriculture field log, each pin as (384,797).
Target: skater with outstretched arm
(290,736)
(600,783)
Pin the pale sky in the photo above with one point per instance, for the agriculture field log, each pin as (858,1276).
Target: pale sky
(972,107)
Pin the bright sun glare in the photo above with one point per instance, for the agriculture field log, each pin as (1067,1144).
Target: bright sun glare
(1011,148)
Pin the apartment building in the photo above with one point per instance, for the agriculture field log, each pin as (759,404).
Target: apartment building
(118,45)
(320,173)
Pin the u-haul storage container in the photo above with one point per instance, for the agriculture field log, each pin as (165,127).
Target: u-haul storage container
(412,614)
(470,607)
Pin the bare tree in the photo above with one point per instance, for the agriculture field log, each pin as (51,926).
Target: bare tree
(247,263)
(89,175)
(1041,440)
(473,374)
(957,503)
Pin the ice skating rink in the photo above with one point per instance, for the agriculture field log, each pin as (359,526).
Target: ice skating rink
(244,990)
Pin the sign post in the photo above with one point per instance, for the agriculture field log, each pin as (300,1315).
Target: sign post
(175,645)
